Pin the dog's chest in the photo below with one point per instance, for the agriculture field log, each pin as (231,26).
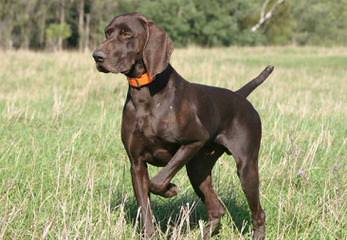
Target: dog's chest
(154,131)
(156,122)
(151,125)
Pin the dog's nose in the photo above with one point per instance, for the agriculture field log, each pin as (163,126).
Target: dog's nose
(99,56)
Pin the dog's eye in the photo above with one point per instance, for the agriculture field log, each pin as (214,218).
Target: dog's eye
(125,34)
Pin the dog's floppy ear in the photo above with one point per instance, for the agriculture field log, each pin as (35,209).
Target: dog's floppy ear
(157,49)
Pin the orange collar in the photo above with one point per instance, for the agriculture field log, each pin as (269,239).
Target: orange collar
(141,81)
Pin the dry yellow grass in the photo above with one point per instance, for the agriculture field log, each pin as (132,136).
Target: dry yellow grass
(64,173)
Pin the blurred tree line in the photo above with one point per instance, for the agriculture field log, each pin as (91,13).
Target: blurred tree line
(58,24)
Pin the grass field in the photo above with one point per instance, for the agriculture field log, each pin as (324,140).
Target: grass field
(64,173)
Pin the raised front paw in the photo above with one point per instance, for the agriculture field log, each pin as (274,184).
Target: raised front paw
(157,186)
(170,192)
(164,190)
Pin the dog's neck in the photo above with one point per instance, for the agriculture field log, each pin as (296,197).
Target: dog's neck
(138,76)
(153,91)
(137,69)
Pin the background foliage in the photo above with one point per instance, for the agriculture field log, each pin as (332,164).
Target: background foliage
(24,23)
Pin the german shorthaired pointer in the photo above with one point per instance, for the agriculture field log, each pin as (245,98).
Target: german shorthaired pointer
(170,123)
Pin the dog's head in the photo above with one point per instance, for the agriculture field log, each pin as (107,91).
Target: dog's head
(130,38)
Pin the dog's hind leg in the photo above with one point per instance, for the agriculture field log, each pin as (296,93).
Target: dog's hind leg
(244,143)
(247,168)
(199,173)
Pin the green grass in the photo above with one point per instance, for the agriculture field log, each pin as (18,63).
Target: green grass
(64,173)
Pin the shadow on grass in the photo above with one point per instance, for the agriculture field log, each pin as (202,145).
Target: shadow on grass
(167,212)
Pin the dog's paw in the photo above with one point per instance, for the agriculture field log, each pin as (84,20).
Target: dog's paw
(163,190)
(148,232)
(157,186)
(170,192)
(259,233)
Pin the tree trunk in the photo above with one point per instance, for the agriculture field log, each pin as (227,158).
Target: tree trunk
(62,21)
(42,29)
(265,16)
(81,25)
(25,38)
(6,38)
(87,32)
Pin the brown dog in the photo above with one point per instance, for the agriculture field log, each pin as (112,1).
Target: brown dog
(171,123)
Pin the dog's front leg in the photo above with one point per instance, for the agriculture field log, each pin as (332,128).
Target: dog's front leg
(161,182)
(140,180)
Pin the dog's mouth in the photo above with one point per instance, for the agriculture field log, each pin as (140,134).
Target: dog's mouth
(106,68)
(102,68)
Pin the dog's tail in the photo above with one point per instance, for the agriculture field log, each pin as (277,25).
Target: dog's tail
(253,84)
